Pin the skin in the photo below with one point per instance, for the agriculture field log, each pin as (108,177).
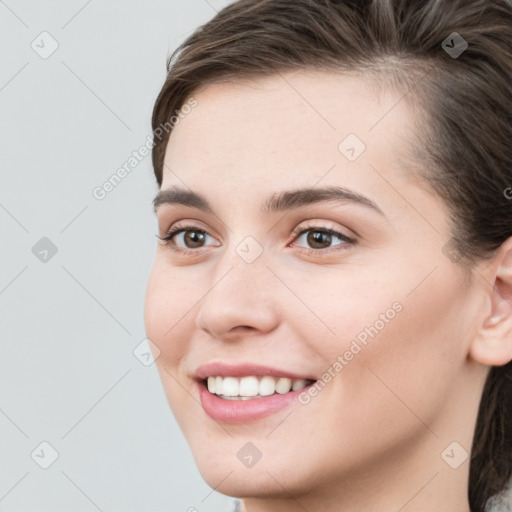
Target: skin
(372,438)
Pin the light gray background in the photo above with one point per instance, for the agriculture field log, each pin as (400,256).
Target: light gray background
(69,326)
(68,375)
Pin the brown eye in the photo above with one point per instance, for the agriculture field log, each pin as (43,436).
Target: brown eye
(193,239)
(319,238)
(185,238)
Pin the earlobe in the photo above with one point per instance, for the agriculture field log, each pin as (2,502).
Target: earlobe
(493,344)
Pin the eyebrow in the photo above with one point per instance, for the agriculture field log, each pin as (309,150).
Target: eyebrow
(278,202)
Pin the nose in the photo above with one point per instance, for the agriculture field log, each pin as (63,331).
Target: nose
(240,301)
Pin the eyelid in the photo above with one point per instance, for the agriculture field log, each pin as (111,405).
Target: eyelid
(321,226)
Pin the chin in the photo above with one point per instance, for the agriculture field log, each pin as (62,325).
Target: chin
(222,469)
(247,483)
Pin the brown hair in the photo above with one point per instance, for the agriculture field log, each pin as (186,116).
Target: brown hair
(465,145)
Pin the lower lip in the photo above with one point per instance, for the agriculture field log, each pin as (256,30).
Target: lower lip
(244,411)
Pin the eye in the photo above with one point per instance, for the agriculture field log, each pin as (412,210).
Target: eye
(320,238)
(192,237)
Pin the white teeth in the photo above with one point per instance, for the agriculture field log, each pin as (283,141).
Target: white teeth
(245,387)
(267,386)
(249,386)
(283,385)
(230,386)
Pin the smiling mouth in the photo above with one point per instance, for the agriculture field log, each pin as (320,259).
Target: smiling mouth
(252,387)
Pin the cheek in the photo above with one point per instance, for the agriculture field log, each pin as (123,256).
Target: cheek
(406,363)
(167,311)
(167,307)
(386,390)
(407,329)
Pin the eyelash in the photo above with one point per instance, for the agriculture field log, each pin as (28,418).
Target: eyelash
(297,232)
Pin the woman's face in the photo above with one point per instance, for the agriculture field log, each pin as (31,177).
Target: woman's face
(379,305)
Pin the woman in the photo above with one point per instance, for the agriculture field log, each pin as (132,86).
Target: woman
(331,297)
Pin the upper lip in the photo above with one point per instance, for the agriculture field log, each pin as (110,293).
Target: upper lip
(244,370)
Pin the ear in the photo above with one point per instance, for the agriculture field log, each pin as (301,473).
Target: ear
(493,343)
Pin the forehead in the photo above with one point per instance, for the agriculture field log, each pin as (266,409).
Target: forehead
(290,126)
